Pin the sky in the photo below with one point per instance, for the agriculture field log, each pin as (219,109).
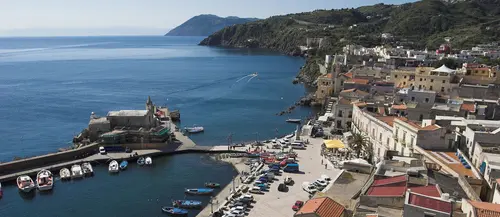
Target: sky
(141,17)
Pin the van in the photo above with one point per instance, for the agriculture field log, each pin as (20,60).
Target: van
(291,168)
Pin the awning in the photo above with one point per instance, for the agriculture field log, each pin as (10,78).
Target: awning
(334,144)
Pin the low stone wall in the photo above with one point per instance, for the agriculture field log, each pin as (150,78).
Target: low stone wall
(49,159)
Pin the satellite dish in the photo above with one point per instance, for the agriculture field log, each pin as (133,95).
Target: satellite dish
(447,39)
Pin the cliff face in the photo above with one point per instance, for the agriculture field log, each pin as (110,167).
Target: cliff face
(206,24)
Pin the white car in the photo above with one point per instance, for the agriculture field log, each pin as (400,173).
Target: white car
(321,182)
(239,208)
(307,187)
(237,204)
(102,150)
(236,212)
(326,178)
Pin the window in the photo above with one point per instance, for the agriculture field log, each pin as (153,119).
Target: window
(430,88)
(404,83)
(404,77)
(426,99)
(387,141)
(411,140)
(404,136)
(340,113)
(397,132)
(420,79)
(442,89)
(444,81)
(339,124)
(380,137)
(432,80)
(412,98)
(395,76)
(350,114)
(373,132)
(419,87)
(421,117)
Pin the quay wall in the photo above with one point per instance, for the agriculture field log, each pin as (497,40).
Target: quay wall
(53,158)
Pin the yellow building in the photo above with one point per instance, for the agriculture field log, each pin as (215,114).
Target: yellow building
(442,80)
(325,87)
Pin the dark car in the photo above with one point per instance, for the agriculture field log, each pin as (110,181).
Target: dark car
(128,150)
(282,187)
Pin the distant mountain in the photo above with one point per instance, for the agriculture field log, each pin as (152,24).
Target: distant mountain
(206,24)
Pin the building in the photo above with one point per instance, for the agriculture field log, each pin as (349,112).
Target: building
(407,133)
(479,70)
(321,207)
(442,80)
(480,209)
(470,132)
(427,202)
(325,88)
(134,118)
(342,115)
(354,94)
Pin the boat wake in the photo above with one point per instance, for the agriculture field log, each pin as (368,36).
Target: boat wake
(251,76)
(202,85)
(10,52)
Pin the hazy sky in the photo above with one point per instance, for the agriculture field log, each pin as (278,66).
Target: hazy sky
(77,17)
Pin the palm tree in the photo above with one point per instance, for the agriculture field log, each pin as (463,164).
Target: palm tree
(360,143)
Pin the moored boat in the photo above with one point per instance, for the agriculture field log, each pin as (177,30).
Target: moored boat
(1,191)
(148,161)
(194,129)
(123,165)
(113,167)
(87,169)
(76,171)
(189,204)
(44,180)
(140,161)
(212,185)
(64,173)
(174,211)
(293,120)
(25,183)
(199,191)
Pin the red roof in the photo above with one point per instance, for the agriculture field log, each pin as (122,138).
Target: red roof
(468,107)
(390,181)
(430,203)
(358,81)
(323,207)
(484,209)
(349,74)
(430,190)
(386,191)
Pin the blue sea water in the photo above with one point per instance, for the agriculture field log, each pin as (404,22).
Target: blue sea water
(49,87)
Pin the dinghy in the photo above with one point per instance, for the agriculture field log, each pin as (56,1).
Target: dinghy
(65,174)
(199,191)
(44,180)
(123,165)
(148,161)
(140,161)
(174,211)
(212,185)
(76,171)
(25,184)
(87,169)
(187,204)
(113,167)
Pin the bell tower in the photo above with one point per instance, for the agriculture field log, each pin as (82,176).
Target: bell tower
(149,105)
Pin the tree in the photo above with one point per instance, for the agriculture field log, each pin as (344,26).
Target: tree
(360,143)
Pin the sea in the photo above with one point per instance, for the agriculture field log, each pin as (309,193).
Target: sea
(50,85)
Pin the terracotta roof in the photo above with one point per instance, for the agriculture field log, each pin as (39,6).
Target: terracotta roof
(394,191)
(399,107)
(431,127)
(387,119)
(323,207)
(390,181)
(358,81)
(344,101)
(430,203)
(484,209)
(468,107)
(372,215)
(429,190)
(329,75)
(348,90)
(348,74)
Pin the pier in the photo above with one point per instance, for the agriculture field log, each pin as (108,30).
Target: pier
(183,145)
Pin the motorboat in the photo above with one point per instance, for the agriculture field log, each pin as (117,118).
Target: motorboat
(76,171)
(174,211)
(212,185)
(123,165)
(25,184)
(148,161)
(113,167)
(293,120)
(141,161)
(44,180)
(87,169)
(199,191)
(194,129)
(188,204)
(65,174)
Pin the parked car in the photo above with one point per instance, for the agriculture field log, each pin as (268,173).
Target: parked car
(255,190)
(307,187)
(326,178)
(320,182)
(298,204)
(288,181)
(282,187)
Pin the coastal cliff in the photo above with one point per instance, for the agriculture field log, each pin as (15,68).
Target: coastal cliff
(206,24)
(419,25)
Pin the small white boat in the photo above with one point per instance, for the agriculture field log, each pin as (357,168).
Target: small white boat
(140,161)
(148,161)
(64,173)
(25,183)
(113,167)
(76,171)
(87,169)
(44,180)
(194,129)
(292,120)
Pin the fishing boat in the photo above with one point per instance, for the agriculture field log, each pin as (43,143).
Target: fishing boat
(293,120)
(113,167)
(44,180)
(140,161)
(212,185)
(174,211)
(123,165)
(194,129)
(25,183)
(199,191)
(76,171)
(189,204)
(87,169)
(65,174)
(148,161)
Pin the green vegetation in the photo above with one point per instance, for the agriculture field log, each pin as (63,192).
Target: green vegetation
(206,24)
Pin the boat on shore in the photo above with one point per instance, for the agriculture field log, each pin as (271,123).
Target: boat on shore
(65,174)
(293,120)
(199,191)
(187,204)
(174,211)
(123,165)
(148,161)
(87,169)
(212,185)
(44,180)
(140,161)
(76,171)
(194,129)
(25,184)
(113,167)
